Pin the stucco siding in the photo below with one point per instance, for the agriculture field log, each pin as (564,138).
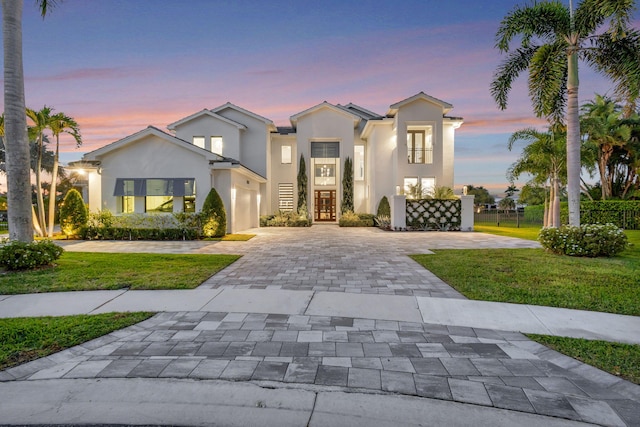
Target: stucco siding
(152,157)
(207,127)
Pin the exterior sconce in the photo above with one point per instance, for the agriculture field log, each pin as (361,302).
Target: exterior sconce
(464,190)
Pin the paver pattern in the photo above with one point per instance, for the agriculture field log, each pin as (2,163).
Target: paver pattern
(483,367)
(327,258)
(470,365)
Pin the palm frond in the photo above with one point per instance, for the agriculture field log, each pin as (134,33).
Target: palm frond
(591,14)
(548,81)
(543,20)
(516,62)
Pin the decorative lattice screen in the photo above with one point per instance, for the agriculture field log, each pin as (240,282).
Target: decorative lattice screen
(441,215)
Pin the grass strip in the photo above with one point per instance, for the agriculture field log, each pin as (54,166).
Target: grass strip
(26,339)
(621,360)
(83,271)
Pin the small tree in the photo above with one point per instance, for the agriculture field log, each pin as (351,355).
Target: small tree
(73,213)
(302,187)
(384,209)
(214,216)
(347,186)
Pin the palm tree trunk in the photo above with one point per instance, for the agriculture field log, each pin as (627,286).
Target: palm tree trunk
(545,219)
(573,139)
(16,141)
(53,189)
(40,199)
(556,202)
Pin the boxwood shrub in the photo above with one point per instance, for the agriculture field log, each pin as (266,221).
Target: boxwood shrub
(351,219)
(588,240)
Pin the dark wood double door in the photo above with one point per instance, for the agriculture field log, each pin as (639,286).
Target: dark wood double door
(325,205)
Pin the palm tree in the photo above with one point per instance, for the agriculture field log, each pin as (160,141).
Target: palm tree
(545,159)
(552,38)
(601,123)
(42,122)
(17,143)
(60,123)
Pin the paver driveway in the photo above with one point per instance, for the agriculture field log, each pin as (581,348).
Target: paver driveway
(327,258)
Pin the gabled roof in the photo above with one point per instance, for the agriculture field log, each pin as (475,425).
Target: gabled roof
(154,131)
(323,105)
(393,109)
(360,111)
(229,105)
(209,113)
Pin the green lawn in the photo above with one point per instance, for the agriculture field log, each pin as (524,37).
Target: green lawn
(532,276)
(622,360)
(80,271)
(528,232)
(25,339)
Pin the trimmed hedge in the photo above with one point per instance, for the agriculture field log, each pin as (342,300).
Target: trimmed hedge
(73,213)
(623,213)
(115,233)
(384,209)
(214,216)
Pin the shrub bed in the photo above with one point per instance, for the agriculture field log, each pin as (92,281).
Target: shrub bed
(351,219)
(588,240)
(285,219)
(26,256)
(106,226)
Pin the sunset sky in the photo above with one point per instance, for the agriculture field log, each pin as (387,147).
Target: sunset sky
(118,66)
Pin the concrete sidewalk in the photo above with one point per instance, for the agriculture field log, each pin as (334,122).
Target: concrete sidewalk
(439,311)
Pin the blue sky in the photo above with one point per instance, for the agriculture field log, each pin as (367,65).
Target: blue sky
(118,66)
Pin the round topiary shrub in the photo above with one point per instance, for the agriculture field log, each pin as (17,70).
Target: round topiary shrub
(73,213)
(26,256)
(589,240)
(214,216)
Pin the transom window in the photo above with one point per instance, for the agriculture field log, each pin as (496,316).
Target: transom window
(420,145)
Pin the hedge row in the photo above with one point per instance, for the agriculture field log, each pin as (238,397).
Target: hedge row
(114,233)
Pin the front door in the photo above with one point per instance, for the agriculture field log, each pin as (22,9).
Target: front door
(325,205)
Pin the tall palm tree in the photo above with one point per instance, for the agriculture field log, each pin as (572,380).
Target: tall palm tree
(16,141)
(545,159)
(601,122)
(42,122)
(60,123)
(552,38)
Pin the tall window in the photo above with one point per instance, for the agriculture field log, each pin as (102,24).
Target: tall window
(198,141)
(285,197)
(286,154)
(420,145)
(358,163)
(216,145)
(325,171)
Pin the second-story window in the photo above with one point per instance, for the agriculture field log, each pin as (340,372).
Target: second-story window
(216,145)
(420,145)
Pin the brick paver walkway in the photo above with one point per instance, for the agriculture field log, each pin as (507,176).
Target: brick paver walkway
(483,367)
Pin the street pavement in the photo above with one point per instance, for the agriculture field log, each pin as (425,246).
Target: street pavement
(318,326)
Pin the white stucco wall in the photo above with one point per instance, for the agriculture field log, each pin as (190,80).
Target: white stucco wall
(283,173)
(421,113)
(209,126)
(382,164)
(152,157)
(326,125)
(253,140)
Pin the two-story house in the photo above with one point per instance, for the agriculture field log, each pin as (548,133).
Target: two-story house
(254,165)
